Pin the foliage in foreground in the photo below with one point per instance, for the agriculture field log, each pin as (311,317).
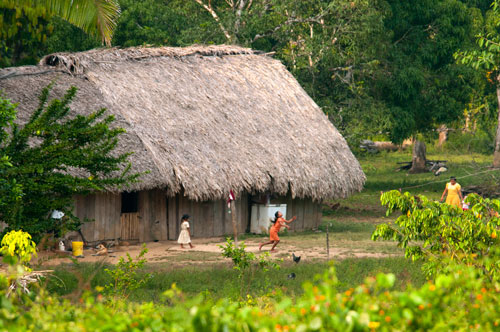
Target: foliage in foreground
(439,232)
(16,247)
(462,297)
(461,300)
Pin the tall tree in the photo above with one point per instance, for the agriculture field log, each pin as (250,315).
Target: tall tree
(10,190)
(422,86)
(485,57)
(53,157)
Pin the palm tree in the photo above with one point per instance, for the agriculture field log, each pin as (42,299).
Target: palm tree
(95,17)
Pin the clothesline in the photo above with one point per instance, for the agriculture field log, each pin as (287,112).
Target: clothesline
(438,181)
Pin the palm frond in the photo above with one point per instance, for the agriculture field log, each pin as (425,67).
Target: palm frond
(95,17)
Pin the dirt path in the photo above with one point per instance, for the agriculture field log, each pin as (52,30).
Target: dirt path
(207,251)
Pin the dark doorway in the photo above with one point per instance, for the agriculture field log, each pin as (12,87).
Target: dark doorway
(130,202)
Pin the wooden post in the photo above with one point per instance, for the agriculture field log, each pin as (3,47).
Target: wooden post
(327,243)
(233,220)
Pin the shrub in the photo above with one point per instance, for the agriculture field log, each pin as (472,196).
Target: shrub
(17,248)
(38,158)
(124,275)
(440,233)
(454,301)
(246,263)
(480,142)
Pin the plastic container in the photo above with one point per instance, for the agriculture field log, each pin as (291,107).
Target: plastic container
(77,248)
(261,214)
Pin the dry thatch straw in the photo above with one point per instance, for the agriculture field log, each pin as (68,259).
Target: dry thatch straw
(203,119)
(23,281)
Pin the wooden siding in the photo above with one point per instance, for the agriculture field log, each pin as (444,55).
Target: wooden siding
(153,215)
(129,225)
(104,210)
(208,218)
(159,216)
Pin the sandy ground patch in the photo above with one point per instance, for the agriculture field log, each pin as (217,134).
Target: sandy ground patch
(207,251)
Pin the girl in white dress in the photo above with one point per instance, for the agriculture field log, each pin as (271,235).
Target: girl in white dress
(185,236)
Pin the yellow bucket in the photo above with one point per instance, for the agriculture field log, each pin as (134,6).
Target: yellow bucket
(77,248)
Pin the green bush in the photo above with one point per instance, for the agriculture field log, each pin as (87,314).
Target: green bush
(439,232)
(38,157)
(247,264)
(124,275)
(17,247)
(479,142)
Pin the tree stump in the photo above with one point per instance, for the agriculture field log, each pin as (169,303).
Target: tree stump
(418,158)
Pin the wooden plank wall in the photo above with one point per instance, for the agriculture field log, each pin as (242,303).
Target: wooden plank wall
(173,219)
(129,226)
(153,215)
(220,211)
(308,213)
(104,209)
(160,215)
(208,218)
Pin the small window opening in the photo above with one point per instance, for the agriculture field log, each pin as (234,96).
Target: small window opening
(130,202)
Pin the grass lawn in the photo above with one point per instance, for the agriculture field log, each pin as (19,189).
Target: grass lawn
(222,281)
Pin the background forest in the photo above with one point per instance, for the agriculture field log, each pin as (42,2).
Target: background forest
(382,69)
(385,70)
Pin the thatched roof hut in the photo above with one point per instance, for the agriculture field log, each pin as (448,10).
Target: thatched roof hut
(206,119)
(203,120)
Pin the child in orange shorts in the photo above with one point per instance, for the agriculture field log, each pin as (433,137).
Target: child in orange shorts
(279,222)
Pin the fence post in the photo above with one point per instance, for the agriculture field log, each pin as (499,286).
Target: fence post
(327,243)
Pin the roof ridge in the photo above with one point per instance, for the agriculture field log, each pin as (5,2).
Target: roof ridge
(76,63)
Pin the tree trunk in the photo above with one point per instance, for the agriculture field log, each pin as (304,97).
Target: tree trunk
(443,135)
(208,7)
(239,11)
(418,159)
(496,154)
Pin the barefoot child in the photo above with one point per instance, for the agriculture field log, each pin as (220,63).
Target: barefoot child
(185,236)
(279,221)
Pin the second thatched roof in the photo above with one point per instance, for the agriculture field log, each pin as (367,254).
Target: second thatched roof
(202,120)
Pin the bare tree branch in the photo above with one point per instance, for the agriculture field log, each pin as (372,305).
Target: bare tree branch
(249,4)
(292,20)
(208,7)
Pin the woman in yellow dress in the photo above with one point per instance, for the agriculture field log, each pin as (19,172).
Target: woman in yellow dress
(453,189)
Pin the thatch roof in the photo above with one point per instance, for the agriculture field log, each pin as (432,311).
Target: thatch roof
(203,119)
